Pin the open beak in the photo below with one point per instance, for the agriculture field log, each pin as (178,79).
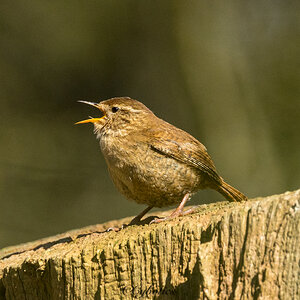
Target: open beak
(91,120)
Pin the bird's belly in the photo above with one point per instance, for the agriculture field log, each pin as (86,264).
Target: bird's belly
(154,179)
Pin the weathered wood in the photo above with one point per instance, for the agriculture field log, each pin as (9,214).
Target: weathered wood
(224,251)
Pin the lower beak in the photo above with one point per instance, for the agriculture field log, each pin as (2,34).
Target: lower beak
(91,120)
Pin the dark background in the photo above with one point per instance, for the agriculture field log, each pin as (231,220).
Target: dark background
(225,71)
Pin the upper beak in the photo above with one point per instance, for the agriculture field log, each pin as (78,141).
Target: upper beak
(91,120)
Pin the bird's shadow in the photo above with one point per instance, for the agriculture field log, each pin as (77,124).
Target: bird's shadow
(69,239)
(44,246)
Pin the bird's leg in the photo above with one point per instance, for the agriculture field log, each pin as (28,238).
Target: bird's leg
(178,211)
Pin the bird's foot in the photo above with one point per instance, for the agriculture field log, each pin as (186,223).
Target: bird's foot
(159,220)
(189,211)
(115,229)
(174,214)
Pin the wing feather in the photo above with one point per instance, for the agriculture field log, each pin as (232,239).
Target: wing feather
(178,144)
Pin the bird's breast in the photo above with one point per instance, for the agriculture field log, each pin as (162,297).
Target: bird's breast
(118,152)
(147,176)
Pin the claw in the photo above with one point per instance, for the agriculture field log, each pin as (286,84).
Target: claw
(189,211)
(177,213)
(115,229)
(158,220)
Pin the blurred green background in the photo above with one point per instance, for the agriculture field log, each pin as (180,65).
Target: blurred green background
(225,71)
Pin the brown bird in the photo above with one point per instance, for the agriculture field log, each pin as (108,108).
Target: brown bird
(151,161)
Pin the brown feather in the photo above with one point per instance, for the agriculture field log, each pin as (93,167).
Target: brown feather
(178,144)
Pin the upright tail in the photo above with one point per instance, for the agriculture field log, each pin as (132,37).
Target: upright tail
(230,193)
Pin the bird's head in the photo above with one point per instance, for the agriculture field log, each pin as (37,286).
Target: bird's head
(119,116)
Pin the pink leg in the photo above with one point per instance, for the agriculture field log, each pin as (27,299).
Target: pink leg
(177,212)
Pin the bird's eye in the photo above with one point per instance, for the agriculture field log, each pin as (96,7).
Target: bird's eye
(115,109)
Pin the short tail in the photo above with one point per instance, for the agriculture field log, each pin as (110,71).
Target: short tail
(230,193)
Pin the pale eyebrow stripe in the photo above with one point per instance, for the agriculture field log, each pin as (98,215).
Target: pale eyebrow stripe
(132,109)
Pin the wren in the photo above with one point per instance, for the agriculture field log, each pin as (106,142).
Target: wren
(151,161)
